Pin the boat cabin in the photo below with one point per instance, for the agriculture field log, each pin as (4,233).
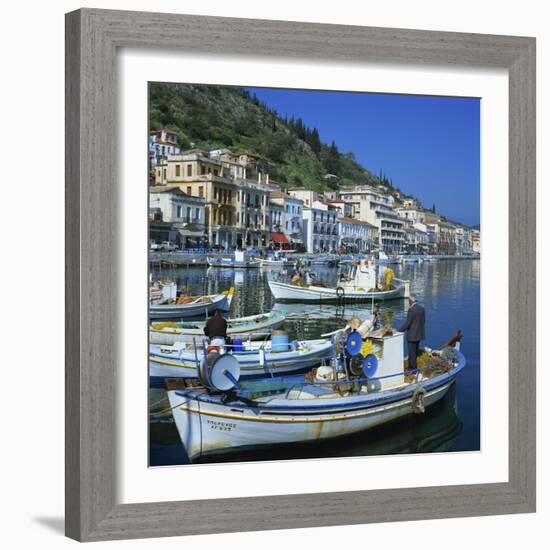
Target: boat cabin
(389,362)
(362,276)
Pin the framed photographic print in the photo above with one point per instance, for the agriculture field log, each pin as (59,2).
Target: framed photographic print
(300,265)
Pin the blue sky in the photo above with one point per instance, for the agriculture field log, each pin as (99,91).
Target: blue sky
(428,146)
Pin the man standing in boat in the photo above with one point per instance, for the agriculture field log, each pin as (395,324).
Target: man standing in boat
(414,329)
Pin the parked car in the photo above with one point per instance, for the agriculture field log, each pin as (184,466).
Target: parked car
(167,246)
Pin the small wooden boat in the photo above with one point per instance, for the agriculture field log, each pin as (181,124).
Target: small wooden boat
(188,307)
(239,260)
(256,359)
(253,326)
(381,258)
(277,260)
(226,414)
(361,284)
(411,259)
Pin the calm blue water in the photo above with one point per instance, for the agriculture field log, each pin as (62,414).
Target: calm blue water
(449,291)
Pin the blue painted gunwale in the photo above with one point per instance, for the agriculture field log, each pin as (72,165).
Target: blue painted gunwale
(372,401)
(323,354)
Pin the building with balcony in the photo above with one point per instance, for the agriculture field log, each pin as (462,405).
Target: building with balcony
(476,241)
(198,175)
(320,228)
(356,236)
(252,221)
(416,238)
(162,143)
(291,222)
(344,208)
(411,213)
(276,216)
(446,241)
(376,208)
(464,240)
(307,196)
(186,214)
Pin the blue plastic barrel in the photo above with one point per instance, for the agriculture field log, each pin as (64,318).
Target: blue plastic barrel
(279,341)
(237,345)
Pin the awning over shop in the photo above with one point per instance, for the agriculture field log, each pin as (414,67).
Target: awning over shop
(190,233)
(279,238)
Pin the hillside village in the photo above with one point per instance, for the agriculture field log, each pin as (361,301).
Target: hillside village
(224,198)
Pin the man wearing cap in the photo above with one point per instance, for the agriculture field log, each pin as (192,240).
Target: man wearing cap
(414,329)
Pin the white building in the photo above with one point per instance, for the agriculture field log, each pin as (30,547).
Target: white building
(344,208)
(306,195)
(416,238)
(476,241)
(356,236)
(372,206)
(184,212)
(412,214)
(276,217)
(320,228)
(291,221)
(162,143)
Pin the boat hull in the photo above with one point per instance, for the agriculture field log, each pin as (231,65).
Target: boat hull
(189,311)
(294,293)
(233,264)
(209,428)
(183,365)
(244,327)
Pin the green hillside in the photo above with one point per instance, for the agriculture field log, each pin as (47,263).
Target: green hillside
(212,117)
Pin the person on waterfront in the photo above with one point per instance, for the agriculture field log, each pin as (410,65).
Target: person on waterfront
(414,328)
(216,326)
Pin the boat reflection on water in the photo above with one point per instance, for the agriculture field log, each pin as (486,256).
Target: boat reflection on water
(449,291)
(433,432)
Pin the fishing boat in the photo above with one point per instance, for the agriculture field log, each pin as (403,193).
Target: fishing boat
(253,326)
(165,304)
(381,258)
(238,260)
(411,259)
(360,284)
(277,260)
(255,359)
(355,393)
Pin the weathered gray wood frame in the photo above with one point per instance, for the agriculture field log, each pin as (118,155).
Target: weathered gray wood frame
(92,39)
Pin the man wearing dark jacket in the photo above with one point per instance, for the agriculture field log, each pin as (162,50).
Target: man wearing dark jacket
(414,329)
(216,326)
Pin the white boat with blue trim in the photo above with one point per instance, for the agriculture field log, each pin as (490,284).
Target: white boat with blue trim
(381,258)
(354,394)
(277,259)
(255,358)
(238,260)
(165,304)
(362,283)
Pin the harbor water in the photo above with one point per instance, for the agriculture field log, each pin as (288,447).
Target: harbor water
(449,290)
